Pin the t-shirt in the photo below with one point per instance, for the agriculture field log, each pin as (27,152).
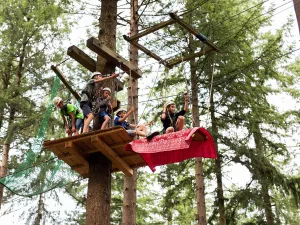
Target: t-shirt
(87,91)
(124,124)
(68,108)
(170,120)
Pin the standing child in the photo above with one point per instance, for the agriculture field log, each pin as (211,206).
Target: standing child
(173,121)
(120,120)
(87,97)
(74,120)
(105,107)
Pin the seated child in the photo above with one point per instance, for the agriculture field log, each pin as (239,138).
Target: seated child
(120,120)
(173,121)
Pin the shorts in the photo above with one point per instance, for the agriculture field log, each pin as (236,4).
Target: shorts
(86,108)
(131,133)
(102,114)
(78,123)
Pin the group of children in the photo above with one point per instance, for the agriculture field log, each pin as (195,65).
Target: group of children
(74,119)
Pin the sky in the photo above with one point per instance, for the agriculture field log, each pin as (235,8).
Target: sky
(79,33)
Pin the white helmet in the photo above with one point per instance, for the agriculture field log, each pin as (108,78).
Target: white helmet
(170,103)
(106,89)
(56,101)
(96,74)
(120,110)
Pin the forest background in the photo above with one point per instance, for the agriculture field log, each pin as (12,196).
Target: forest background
(253,102)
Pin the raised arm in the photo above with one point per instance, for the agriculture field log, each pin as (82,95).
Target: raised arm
(186,102)
(101,79)
(164,112)
(127,114)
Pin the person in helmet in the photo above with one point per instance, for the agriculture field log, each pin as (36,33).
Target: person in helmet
(173,121)
(132,129)
(105,107)
(87,97)
(72,117)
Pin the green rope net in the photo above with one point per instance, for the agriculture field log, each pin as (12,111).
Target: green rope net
(40,171)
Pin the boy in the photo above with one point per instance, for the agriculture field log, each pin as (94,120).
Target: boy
(173,121)
(75,117)
(120,120)
(105,107)
(87,96)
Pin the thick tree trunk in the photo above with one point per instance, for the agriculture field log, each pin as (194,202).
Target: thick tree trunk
(218,162)
(99,186)
(129,200)
(130,183)
(199,176)
(39,217)
(99,191)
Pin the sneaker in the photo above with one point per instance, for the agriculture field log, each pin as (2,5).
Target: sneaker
(152,135)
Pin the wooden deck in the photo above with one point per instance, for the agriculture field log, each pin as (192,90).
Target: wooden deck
(110,142)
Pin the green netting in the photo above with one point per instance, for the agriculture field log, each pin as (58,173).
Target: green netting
(41,171)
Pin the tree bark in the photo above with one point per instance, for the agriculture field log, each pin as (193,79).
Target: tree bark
(99,191)
(199,176)
(3,168)
(99,186)
(129,200)
(130,183)
(297,11)
(218,162)
(39,217)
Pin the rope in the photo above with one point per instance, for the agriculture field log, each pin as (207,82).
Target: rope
(62,61)
(211,86)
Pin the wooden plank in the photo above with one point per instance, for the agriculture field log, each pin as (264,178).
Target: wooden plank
(147,51)
(190,29)
(151,29)
(173,62)
(73,149)
(110,55)
(87,62)
(63,79)
(82,58)
(64,156)
(112,156)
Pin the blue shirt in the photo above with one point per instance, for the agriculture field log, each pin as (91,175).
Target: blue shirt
(123,124)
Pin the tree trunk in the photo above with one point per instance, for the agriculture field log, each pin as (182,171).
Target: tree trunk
(297,11)
(39,217)
(199,176)
(99,191)
(99,186)
(130,183)
(218,170)
(129,200)
(3,168)
(267,204)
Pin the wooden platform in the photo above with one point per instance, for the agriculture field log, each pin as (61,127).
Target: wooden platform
(110,142)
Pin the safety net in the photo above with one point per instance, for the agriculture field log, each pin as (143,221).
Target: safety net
(40,171)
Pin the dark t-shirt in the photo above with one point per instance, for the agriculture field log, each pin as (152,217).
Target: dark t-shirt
(170,120)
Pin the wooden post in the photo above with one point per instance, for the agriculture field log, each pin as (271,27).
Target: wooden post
(63,79)
(297,11)
(130,183)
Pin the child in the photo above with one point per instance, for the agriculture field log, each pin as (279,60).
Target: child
(120,120)
(173,121)
(74,116)
(105,107)
(87,97)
